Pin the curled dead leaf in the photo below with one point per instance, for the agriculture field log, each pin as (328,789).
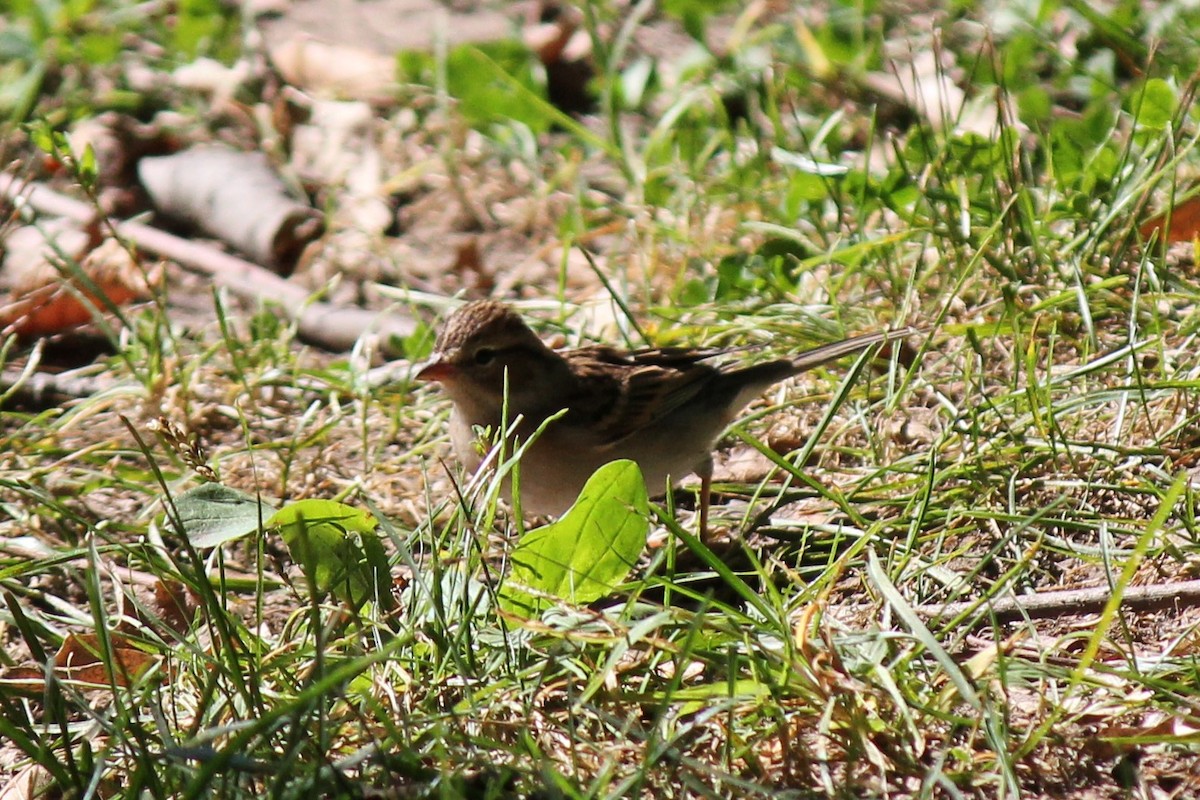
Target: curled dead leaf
(555,32)
(335,70)
(32,781)
(48,294)
(79,659)
(1184,223)
(175,604)
(234,196)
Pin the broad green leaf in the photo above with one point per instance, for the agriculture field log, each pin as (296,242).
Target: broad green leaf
(337,547)
(1035,105)
(198,26)
(694,13)
(483,78)
(587,553)
(212,514)
(417,345)
(1155,105)
(19,89)
(99,47)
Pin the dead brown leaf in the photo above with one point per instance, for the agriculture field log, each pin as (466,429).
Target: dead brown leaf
(44,301)
(335,70)
(80,659)
(34,781)
(175,604)
(1184,223)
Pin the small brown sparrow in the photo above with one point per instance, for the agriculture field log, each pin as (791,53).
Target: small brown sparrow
(664,408)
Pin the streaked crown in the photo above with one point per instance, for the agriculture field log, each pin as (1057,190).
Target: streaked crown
(484,321)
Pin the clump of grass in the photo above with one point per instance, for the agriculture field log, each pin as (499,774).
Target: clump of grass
(1037,437)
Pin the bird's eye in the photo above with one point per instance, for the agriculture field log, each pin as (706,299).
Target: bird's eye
(484,356)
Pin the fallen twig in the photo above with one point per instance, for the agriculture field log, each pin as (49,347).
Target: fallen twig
(46,389)
(333,327)
(1072,602)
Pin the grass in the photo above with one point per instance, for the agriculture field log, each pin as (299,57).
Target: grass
(1039,435)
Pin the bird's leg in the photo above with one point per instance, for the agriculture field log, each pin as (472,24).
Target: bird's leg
(705,471)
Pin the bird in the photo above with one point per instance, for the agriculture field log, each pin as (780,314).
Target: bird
(663,408)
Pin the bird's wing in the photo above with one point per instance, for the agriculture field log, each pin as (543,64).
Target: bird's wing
(620,394)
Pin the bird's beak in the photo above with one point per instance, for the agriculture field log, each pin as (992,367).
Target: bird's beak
(436,369)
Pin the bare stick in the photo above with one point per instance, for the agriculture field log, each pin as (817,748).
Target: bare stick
(1073,602)
(333,327)
(46,389)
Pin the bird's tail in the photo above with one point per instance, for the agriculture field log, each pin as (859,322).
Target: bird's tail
(835,350)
